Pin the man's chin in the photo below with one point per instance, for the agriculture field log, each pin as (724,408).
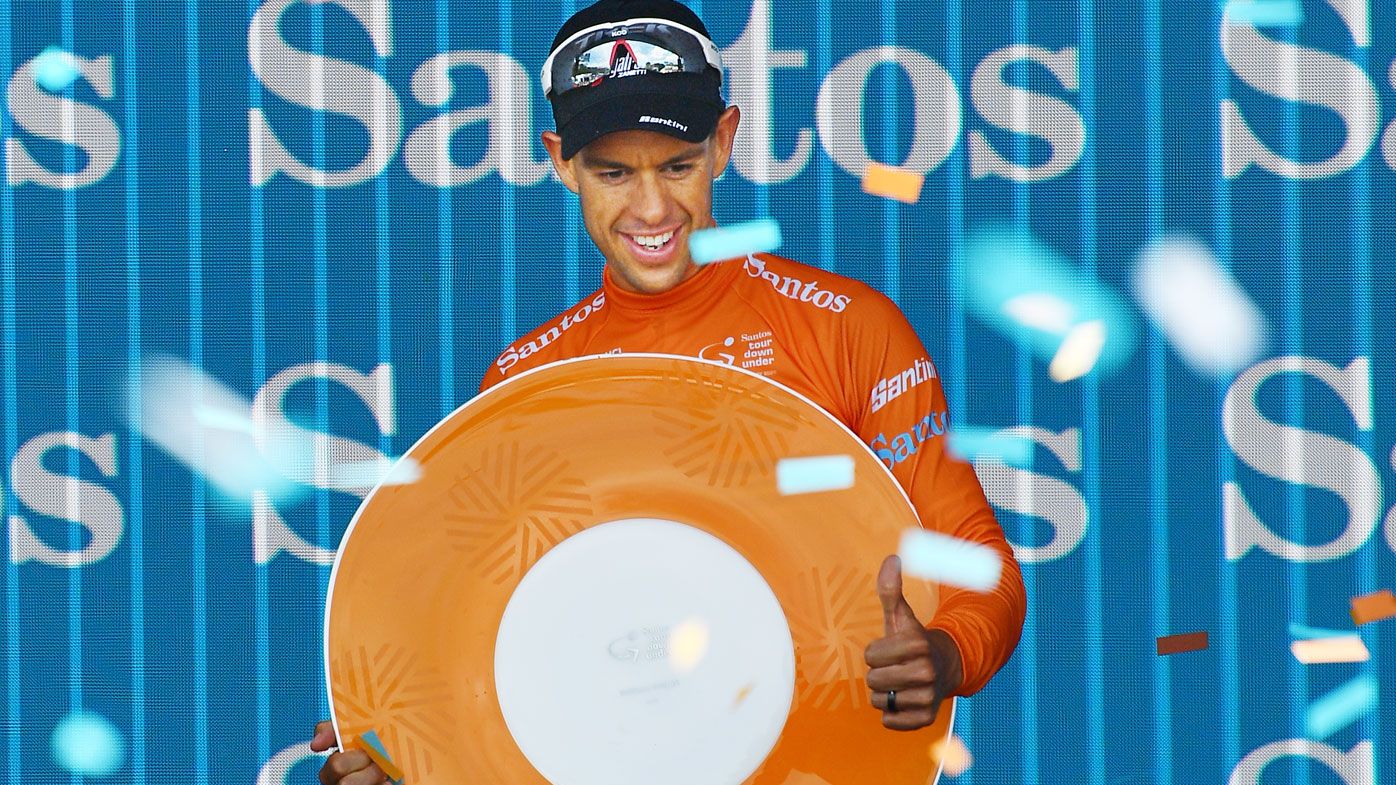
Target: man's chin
(648,280)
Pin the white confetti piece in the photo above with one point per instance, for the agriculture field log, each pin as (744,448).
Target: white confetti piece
(1078,352)
(814,474)
(1041,310)
(1319,651)
(1213,325)
(936,557)
(366,474)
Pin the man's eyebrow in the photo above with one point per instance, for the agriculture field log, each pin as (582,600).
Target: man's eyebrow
(594,163)
(686,155)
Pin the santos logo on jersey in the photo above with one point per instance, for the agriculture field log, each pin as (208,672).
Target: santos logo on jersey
(796,289)
(512,355)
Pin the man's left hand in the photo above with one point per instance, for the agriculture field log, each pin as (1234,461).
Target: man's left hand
(921,666)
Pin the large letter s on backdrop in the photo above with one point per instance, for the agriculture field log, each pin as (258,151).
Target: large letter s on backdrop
(1355,766)
(1300,456)
(63,120)
(1305,75)
(1024,111)
(1040,495)
(65,498)
(277,434)
(326,84)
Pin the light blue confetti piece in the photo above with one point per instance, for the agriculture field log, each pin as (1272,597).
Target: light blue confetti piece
(1301,632)
(943,559)
(814,474)
(371,738)
(1341,707)
(55,69)
(1265,13)
(733,242)
(87,744)
(1026,290)
(223,419)
(970,444)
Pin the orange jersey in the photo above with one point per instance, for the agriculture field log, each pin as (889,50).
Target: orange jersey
(846,347)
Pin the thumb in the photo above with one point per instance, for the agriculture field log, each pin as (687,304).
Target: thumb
(896,611)
(323,738)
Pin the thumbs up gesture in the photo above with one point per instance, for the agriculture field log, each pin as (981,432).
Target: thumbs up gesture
(911,669)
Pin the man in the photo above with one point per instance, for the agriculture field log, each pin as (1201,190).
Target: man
(642,133)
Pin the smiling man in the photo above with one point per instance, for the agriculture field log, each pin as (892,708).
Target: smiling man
(642,134)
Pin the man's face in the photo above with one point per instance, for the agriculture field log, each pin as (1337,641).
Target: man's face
(643,194)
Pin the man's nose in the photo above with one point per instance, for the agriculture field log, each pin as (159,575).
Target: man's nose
(651,200)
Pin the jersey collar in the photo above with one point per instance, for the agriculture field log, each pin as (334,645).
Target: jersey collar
(704,288)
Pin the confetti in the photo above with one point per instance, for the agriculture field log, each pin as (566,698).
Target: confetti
(55,69)
(1177,644)
(1348,648)
(1265,13)
(1341,707)
(1372,607)
(1037,298)
(87,744)
(1042,310)
(937,557)
(222,419)
(893,183)
(1308,633)
(1213,325)
(367,474)
(200,422)
(733,242)
(688,644)
(952,755)
(814,474)
(370,743)
(971,444)
(1078,353)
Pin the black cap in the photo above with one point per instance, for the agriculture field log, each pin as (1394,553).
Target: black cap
(684,105)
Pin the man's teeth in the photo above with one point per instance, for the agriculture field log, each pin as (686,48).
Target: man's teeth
(655,242)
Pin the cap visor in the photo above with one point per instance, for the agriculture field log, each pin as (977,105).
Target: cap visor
(677,115)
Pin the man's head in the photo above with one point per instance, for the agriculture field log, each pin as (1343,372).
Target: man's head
(642,132)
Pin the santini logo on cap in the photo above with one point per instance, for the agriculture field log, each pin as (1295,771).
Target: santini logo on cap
(663,121)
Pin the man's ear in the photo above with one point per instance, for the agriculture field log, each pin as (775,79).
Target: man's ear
(553,144)
(722,138)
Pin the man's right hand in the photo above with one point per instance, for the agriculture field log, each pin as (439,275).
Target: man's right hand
(348,767)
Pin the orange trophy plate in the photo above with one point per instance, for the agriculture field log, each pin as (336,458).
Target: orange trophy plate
(596,580)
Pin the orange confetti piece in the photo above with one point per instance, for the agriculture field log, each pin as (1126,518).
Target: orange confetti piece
(952,755)
(1373,607)
(893,183)
(383,761)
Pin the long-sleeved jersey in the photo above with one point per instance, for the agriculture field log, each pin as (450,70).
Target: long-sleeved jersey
(846,347)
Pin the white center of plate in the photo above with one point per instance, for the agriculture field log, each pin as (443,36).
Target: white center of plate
(644,650)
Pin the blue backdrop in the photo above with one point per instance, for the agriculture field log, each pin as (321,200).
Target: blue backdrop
(340,212)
